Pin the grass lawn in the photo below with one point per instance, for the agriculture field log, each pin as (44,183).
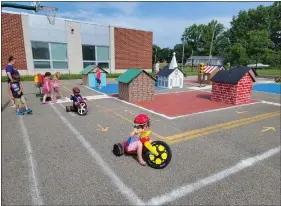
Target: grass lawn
(269,72)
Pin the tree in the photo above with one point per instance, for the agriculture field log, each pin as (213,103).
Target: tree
(178,49)
(237,55)
(156,52)
(258,45)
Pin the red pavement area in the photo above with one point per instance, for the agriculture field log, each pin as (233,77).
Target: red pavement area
(183,103)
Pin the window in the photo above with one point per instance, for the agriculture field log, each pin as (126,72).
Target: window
(49,55)
(95,55)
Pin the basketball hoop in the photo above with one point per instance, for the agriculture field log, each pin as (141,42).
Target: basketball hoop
(49,11)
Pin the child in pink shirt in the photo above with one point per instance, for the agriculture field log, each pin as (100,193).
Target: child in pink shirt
(47,87)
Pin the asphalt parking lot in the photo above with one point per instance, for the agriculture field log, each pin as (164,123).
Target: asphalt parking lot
(225,157)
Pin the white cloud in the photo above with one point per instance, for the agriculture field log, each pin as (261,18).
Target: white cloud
(166,31)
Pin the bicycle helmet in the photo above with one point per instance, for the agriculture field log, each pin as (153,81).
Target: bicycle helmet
(76,90)
(141,119)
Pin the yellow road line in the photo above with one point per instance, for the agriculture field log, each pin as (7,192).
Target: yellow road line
(216,126)
(66,88)
(128,120)
(204,133)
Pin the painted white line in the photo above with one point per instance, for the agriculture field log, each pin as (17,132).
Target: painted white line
(214,110)
(185,190)
(201,88)
(35,190)
(68,112)
(94,97)
(127,192)
(272,103)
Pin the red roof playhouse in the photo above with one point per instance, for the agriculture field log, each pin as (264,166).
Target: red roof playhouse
(233,86)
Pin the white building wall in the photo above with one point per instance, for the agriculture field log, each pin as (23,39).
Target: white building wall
(74,48)
(111,50)
(27,46)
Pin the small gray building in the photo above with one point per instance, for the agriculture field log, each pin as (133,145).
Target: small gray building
(214,60)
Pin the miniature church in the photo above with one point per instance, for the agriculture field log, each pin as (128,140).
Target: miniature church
(170,76)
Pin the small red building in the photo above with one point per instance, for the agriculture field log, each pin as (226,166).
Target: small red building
(233,86)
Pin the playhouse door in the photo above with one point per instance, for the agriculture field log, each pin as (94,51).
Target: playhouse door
(92,80)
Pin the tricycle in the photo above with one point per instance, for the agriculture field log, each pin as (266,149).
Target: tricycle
(157,154)
(277,79)
(80,108)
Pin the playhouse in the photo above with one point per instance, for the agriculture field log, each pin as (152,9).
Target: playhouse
(89,76)
(234,86)
(209,72)
(170,76)
(136,85)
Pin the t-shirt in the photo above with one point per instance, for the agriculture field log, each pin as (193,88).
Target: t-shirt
(12,70)
(15,88)
(98,74)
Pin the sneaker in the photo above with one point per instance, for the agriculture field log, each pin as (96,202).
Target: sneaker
(19,113)
(28,111)
(54,101)
(13,106)
(44,102)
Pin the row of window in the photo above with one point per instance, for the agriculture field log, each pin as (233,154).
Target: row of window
(54,55)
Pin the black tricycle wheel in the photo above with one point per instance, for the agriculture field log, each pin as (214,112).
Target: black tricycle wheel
(277,79)
(118,149)
(164,158)
(67,109)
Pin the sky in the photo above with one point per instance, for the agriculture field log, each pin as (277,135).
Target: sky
(167,20)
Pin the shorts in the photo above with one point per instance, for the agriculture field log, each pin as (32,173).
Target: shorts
(133,146)
(98,80)
(19,101)
(56,89)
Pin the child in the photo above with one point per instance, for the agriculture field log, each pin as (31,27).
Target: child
(56,85)
(98,77)
(47,87)
(134,142)
(15,88)
(75,97)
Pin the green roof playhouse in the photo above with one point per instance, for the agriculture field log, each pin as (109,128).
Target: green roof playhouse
(136,85)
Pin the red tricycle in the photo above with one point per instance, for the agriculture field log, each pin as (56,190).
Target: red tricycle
(157,154)
(80,108)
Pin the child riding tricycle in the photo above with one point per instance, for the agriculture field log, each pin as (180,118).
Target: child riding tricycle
(79,103)
(157,154)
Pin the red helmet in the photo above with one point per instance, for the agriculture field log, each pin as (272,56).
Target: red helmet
(141,119)
(76,90)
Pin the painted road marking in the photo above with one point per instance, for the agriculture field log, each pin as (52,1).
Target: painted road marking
(187,189)
(216,128)
(272,103)
(102,129)
(126,191)
(71,113)
(126,119)
(242,112)
(35,189)
(268,128)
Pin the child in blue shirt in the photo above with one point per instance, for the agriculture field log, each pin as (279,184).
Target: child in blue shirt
(15,87)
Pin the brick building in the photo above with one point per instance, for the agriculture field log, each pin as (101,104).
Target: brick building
(136,85)
(69,46)
(234,86)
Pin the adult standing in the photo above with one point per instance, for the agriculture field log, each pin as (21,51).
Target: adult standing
(157,65)
(10,70)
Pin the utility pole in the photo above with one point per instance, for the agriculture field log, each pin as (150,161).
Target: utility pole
(210,54)
(182,52)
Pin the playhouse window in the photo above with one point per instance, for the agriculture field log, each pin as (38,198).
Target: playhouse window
(49,55)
